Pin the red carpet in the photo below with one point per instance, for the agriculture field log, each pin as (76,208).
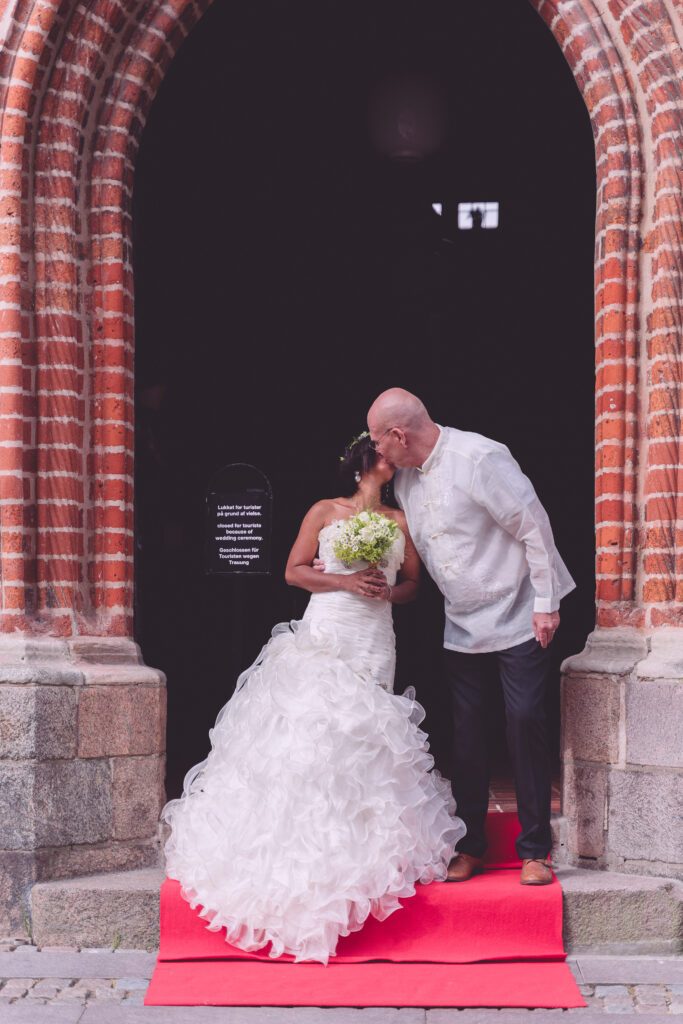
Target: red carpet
(256,984)
(492,917)
(502,830)
(432,950)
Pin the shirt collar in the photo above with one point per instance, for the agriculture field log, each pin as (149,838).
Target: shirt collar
(435,452)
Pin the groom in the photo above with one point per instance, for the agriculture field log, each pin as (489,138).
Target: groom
(486,541)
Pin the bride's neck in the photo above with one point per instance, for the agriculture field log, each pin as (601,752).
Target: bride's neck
(368,496)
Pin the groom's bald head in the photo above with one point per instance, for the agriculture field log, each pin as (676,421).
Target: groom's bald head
(398,408)
(404,430)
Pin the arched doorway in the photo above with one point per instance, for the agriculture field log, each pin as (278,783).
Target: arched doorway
(79,84)
(286,272)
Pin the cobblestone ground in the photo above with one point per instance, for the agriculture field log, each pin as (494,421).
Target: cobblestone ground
(662,999)
(94,983)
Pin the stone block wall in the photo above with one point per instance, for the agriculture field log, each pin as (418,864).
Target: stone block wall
(82,739)
(622,751)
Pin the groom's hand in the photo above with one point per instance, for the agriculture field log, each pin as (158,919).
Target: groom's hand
(545,626)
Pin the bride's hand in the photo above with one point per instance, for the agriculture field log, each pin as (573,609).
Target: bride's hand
(367,583)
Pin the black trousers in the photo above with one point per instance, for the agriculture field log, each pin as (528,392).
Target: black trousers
(523,673)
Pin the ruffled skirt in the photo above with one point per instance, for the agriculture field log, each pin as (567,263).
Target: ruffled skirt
(317,806)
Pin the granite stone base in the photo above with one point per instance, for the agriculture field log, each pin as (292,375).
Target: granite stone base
(622,750)
(82,763)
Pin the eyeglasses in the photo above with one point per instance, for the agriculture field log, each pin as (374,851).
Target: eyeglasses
(374,444)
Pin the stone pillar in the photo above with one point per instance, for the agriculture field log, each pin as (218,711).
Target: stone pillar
(82,740)
(622,748)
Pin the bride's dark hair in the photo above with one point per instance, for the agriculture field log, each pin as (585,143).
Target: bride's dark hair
(359,457)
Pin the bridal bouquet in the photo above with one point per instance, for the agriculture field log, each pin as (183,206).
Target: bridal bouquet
(365,537)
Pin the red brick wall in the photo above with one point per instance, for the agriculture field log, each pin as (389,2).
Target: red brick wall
(76,82)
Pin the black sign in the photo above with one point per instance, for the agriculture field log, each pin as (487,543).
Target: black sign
(239,518)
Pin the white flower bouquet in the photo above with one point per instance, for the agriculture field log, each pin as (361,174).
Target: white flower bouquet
(365,537)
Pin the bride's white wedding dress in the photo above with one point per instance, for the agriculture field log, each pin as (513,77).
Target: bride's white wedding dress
(316,805)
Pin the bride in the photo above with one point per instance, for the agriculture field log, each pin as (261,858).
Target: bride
(317,804)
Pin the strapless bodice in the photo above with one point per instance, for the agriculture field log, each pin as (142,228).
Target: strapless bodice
(360,628)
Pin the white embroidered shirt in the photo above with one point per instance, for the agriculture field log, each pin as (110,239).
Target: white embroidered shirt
(485,539)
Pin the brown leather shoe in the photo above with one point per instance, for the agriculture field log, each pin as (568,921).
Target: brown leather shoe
(463,866)
(536,871)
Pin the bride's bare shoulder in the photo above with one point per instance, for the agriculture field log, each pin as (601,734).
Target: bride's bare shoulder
(323,512)
(338,508)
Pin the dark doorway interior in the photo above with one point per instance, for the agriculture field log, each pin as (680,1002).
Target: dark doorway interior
(286,272)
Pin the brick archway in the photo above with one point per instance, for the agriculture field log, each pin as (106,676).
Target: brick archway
(80,82)
(76,83)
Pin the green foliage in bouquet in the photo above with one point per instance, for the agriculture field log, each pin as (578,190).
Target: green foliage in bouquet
(365,537)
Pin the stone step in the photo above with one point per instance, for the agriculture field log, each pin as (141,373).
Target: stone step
(611,912)
(604,912)
(119,909)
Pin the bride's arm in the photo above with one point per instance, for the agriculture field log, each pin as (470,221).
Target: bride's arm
(408,581)
(300,573)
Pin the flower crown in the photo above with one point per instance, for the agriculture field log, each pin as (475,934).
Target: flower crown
(353,443)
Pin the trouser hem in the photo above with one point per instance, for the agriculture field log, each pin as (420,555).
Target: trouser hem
(533,854)
(472,851)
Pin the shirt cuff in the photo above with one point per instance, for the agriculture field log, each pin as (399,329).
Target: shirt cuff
(546,604)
